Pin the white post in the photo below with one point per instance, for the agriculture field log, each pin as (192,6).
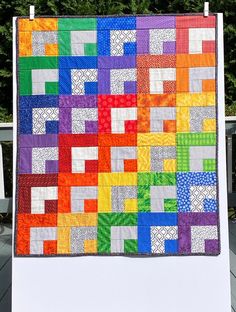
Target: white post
(2,188)
(206,9)
(31,12)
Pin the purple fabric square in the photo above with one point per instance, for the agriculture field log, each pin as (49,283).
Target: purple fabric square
(25,163)
(130,87)
(91,126)
(51,166)
(65,120)
(142,41)
(212,246)
(169,47)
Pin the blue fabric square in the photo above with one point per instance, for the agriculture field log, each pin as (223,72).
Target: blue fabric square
(148,219)
(25,121)
(130,48)
(52,126)
(32,101)
(210,205)
(103,42)
(91,87)
(144,239)
(65,81)
(116,23)
(187,179)
(157,218)
(171,246)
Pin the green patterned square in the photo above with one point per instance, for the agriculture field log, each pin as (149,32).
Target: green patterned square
(131,246)
(170,205)
(209,164)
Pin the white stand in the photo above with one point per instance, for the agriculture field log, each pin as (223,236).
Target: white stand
(122,284)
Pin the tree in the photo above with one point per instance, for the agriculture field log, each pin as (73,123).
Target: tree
(105,7)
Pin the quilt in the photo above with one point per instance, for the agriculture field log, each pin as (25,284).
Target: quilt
(116,136)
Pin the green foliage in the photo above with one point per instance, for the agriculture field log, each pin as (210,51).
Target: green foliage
(4,115)
(8,9)
(7,160)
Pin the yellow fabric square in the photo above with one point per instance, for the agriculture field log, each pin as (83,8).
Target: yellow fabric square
(63,240)
(144,159)
(90,246)
(156,139)
(131,205)
(117,178)
(169,165)
(104,199)
(209,125)
(77,219)
(195,99)
(182,119)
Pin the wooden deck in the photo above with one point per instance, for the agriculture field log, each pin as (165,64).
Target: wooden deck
(232,244)
(5,266)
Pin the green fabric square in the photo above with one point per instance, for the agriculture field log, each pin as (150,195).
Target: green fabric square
(64,43)
(25,78)
(81,23)
(51,87)
(209,164)
(38,62)
(90,49)
(130,246)
(170,205)
(144,205)
(103,238)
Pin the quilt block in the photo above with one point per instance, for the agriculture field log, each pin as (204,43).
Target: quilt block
(117,142)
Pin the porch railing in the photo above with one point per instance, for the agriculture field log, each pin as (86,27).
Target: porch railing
(6,135)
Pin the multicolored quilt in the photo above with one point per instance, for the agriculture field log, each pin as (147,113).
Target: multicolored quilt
(117,136)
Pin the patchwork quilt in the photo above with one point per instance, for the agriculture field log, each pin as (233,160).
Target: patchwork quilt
(117,144)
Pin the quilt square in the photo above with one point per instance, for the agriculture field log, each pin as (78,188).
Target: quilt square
(117,136)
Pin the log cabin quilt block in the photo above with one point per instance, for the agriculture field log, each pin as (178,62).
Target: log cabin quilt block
(117,142)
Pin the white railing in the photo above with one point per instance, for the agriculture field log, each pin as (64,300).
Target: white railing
(6,135)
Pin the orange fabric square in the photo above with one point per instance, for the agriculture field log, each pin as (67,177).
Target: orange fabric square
(77,179)
(169,86)
(50,247)
(144,126)
(154,100)
(46,24)
(143,119)
(64,199)
(169,125)
(51,49)
(130,165)
(208,85)
(90,205)
(104,159)
(182,80)
(195,60)
(25,43)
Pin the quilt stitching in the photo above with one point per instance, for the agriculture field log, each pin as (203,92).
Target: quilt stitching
(117,142)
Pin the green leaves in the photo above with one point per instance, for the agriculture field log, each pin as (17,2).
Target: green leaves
(8,9)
